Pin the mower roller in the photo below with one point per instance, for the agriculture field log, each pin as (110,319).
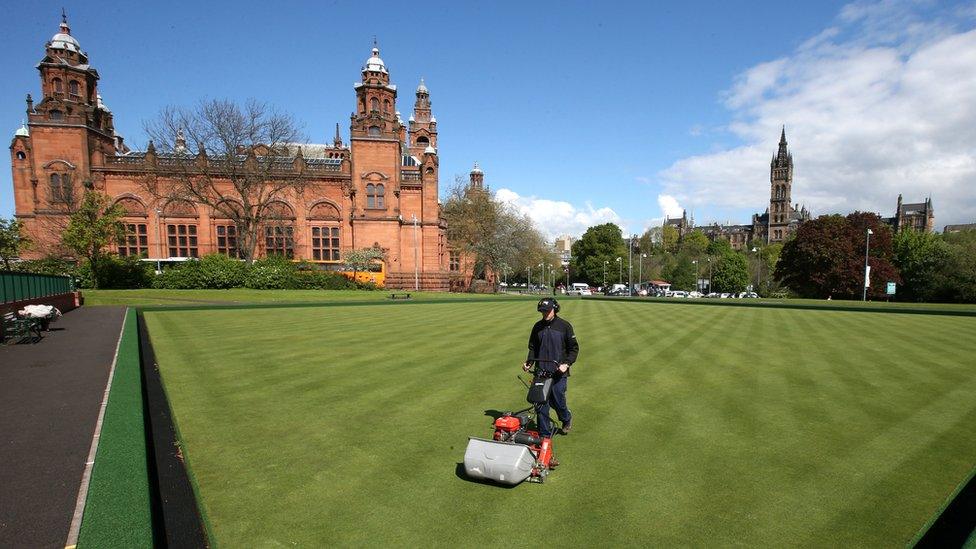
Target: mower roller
(515,452)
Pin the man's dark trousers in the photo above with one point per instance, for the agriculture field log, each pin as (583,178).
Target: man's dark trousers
(557,400)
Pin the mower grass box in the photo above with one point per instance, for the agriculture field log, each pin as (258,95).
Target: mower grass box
(502,462)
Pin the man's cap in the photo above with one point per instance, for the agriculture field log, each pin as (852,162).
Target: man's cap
(547,304)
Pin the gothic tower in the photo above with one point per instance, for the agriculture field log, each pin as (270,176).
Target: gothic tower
(780,191)
(423,125)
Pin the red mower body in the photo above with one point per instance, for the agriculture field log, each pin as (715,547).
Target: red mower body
(510,428)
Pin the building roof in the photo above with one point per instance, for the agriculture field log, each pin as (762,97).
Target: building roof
(374,63)
(476,169)
(311,150)
(22,131)
(63,39)
(422,88)
(917,208)
(959,227)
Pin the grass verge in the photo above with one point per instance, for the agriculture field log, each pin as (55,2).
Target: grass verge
(118,510)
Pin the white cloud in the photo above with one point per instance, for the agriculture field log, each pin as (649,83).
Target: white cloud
(557,217)
(882,103)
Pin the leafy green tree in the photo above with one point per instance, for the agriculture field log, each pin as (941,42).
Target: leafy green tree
(598,244)
(919,256)
(669,239)
(719,248)
(957,280)
(730,274)
(681,274)
(694,244)
(92,228)
(12,240)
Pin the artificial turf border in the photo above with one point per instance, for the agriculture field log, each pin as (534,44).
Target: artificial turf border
(176,512)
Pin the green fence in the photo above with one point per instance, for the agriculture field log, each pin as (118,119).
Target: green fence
(20,286)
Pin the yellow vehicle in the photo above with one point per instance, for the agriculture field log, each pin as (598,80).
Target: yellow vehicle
(376,272)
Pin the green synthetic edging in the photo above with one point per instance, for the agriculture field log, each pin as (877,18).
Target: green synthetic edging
(118,509)
(931,309)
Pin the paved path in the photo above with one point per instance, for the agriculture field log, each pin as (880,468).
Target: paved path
(50,393)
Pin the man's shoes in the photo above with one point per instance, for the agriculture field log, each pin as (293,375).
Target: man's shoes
(567,425)
(553,462)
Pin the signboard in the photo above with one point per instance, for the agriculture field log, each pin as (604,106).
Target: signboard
(867,276)
(891,288)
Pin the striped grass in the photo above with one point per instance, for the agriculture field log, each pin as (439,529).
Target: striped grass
(694,425)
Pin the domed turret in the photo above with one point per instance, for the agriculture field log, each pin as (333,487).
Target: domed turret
(374,63)
(63,39)
(23,131)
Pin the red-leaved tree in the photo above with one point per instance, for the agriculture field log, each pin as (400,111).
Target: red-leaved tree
(826,257)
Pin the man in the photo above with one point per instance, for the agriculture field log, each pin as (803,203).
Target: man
(553,342)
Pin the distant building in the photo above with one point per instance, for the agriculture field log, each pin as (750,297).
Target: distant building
(564,247)
(919,216)
(776,224)
(959,228)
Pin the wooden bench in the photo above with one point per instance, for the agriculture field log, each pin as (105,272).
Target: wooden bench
(17,329)
(399,296)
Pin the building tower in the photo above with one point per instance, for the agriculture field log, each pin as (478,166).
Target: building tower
(780,191)
(423,125)
(476,179)
(69,130)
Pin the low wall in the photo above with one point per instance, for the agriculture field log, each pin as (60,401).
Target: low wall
(64,302)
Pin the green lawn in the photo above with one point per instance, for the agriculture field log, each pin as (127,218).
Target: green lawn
(694,425)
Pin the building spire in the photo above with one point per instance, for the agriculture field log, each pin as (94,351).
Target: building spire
(64,22)
(782,136)
(337,141)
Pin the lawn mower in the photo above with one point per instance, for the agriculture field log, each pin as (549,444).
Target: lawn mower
(516,451)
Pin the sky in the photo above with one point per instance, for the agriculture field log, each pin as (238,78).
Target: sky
(579,113)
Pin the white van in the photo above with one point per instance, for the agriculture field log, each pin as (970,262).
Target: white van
(578,288)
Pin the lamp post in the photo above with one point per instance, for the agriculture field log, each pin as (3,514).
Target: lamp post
(620,275)
(630,266)
(542,275)
(697,281)
(416,257)
(867,268)
(528,279)
(552,278)
(640,269)
(159,238)
(709,274)
(605,263)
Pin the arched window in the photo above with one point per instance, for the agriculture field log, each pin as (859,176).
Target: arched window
(370,196)
(374,104)
(55,115)
(60,187)
(57,85)
(21,155)
(374,196)
(423,141)
(375,131)
(73,87)
(386,105)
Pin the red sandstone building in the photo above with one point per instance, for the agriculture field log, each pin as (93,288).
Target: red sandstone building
(381,189)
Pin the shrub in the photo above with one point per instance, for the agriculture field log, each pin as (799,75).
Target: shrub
(272,273)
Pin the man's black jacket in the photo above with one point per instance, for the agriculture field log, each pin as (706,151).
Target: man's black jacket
(553,340)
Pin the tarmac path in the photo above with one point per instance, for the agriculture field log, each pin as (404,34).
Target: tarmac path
(50,394)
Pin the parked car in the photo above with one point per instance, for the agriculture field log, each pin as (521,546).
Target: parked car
(679,293)
(749,295)
(694,294)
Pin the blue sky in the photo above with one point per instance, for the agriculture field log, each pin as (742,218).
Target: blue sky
(578,112)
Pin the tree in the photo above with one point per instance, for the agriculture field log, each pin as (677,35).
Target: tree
(919,256)
(827,257)
(599,244)
(361,259)
(694,243)
(719,247)
(12,240)
(957,280)
(247,160)
(493,234)
(730,274)
(681,274)
(92,228)
(669,239)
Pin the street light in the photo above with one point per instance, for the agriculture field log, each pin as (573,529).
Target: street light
(542,275)
(620,275)
(605,263)
(697,281)
(528,283)
(630,266)
(867,268)
(709,260)
(640,270)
